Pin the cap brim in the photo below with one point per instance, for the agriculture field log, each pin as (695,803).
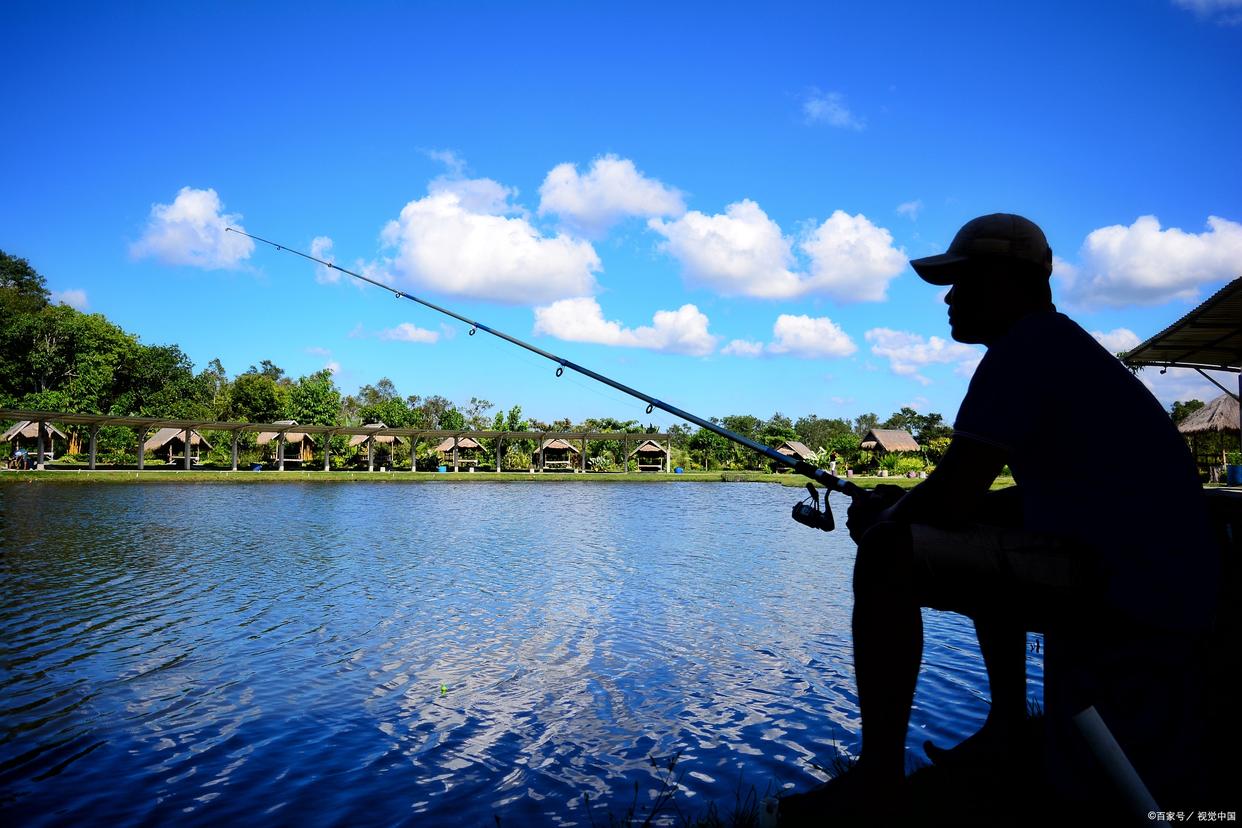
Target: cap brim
(939,270)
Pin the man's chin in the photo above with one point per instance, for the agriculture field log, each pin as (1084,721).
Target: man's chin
(965,336)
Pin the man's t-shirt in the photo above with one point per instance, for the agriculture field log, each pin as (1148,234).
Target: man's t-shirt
(1098,461)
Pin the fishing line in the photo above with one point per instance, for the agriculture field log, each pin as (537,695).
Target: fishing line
(800,466)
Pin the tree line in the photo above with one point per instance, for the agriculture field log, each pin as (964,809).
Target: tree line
(56,358)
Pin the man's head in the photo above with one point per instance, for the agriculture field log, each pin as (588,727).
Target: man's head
(998,266)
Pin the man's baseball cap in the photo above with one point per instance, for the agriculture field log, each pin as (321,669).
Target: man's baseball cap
(999,236)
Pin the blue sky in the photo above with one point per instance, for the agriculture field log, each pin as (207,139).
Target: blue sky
(714,203)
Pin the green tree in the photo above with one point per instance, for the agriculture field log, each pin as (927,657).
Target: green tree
(1179,411)
(709,448)
(476,414)
(864,423)
(22,288)
(315,400)
(452,420)
(816,432)
(257,398)
(778,429)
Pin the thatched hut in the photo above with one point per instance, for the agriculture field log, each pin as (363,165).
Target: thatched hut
(1220,418)
(299,446)
(796,450)
(468,450)
(25,435)
(171,442)
(558,453)
(651,456)
(886,440)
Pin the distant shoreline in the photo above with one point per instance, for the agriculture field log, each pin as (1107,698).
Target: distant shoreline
(74,476)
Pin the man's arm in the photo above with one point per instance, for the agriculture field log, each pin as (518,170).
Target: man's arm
(952,493)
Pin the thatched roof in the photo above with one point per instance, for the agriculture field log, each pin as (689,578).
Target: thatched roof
(266,437)
(359,439)
(795,449)
(1221,414)
(30,430)
(649,447)
(165,435)
(889,439)
(462,443)
(558,444)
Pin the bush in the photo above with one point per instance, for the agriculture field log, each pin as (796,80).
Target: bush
(516,459)
(1234,458)
(602,463)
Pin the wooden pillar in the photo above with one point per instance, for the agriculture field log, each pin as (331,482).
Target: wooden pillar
(142,447)
(371,453)
(94,444)
(584,455)
(185,461)
(454,452)
(233,454)
(41,450)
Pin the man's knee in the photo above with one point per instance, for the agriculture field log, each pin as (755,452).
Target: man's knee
(885,561)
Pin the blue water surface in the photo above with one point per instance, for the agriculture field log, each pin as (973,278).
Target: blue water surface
(435,654)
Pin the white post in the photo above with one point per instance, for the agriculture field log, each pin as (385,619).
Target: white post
(414,453)
(185,461)
(280,451)
(371,453)
(454,452)
(142,447)
(94,444)
(236,436)
(327,450)
(39,456)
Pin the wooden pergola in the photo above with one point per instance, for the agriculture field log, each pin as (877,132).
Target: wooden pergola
(144,426)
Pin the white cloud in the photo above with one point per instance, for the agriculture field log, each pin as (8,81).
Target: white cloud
(1118,340)
(829,108)
(852,260)
(683,331)
(191,231)
(321,248)
(73,298)
(1221,12)
(453,242)
(333,366)
(799,336)
(742,252)
(743,348)
(908,352)
(1182,384)
(611,190)
(910,209)
(1145,265)
(407,332)
(808,337)
(477,195)
(316,350)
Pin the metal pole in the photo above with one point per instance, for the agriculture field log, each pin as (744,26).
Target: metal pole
(94,444)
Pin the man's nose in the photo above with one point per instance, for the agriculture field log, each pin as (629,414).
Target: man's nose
(948,297)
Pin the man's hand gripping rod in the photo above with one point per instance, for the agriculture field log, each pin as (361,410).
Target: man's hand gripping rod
(800,466)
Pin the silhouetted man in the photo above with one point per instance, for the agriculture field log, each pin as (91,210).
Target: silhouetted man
(1112,561)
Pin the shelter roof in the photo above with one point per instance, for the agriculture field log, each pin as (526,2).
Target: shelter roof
(266,437)
(557,443)
(795,448)
(1210,336)
(1221,414)
(164,435)
(462,443)
(890,439)
(30,430)
(359,439)
(649,447)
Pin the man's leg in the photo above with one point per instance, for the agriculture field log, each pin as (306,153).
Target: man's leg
(888,646)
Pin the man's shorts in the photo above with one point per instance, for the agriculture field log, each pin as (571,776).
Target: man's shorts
(982,569)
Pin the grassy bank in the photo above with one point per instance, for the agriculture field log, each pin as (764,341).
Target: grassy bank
(166,475)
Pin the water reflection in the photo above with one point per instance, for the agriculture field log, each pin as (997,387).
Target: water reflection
(208,652)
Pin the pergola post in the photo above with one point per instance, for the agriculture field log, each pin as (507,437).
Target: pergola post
(584,455)
(233,453)
(185,461)
(625,449)
(668,456)
(454,452)
(41,450)
(414,452)
(371,453)
(327,451)
(500,442)
(94,444)
(142,447)
(280,451)
(542,440)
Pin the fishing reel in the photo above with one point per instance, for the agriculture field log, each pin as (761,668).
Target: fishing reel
(808,513)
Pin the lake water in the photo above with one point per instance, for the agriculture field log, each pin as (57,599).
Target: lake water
(437,654)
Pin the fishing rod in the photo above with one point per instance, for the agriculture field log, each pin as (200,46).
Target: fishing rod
(804,512)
